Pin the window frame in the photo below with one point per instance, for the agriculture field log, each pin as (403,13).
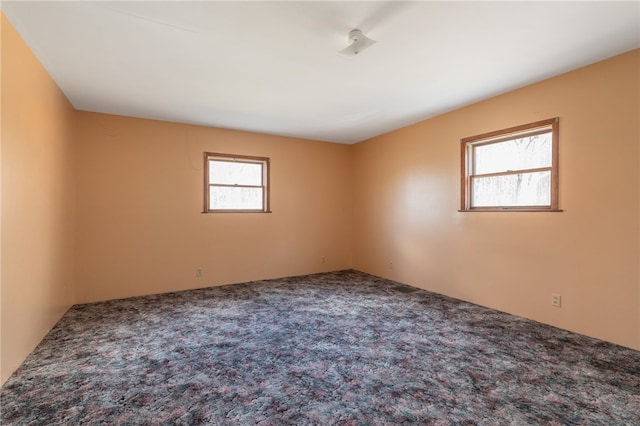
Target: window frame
(263,161)
(467,164)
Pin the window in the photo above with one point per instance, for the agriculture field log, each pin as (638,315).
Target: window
(512,169)
(235,183)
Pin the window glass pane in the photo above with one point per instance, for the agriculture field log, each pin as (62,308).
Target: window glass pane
(235,173)
(530,152)
(231,198)
(522,189)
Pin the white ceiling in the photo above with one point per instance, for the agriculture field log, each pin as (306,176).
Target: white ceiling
(272,66)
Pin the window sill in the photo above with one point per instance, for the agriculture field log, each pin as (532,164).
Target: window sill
(512,209)
(236,211)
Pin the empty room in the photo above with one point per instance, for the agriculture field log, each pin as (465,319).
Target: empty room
(298,212)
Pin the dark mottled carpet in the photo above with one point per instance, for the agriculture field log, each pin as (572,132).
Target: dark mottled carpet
(337,348)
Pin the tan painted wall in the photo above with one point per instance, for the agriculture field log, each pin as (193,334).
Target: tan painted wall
(123,198)
(38,219)
(3,376)
(140,198)
(407,191)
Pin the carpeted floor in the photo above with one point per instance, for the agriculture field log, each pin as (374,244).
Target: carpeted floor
(338,348)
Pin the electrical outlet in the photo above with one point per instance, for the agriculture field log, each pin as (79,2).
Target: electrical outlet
(199,272)
(556,300)
(390,266)
(323,259)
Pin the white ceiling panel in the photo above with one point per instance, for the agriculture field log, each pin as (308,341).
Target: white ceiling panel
(273,67)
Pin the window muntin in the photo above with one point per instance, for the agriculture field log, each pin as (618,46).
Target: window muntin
(236,183)
(512,169)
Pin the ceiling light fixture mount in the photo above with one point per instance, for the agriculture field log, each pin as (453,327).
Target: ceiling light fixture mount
(358,42)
